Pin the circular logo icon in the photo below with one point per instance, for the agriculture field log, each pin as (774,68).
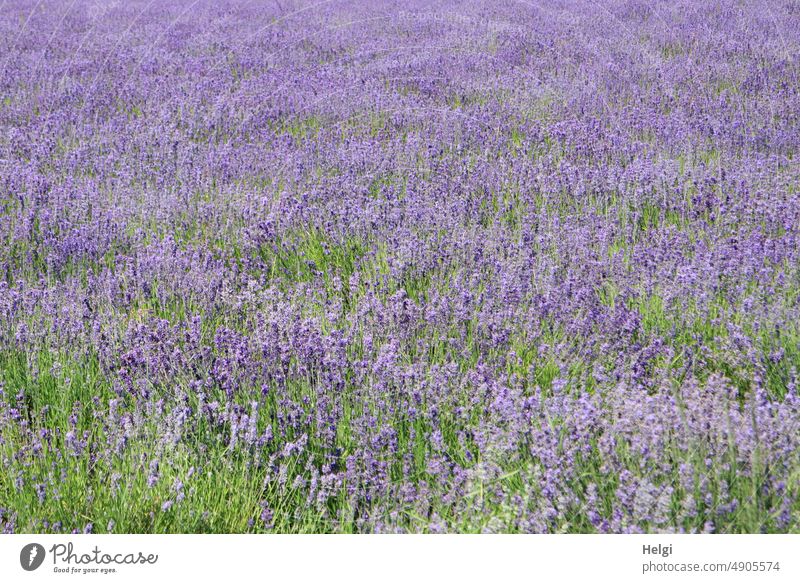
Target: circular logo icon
(31,556)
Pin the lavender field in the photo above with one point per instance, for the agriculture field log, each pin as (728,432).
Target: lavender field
(370,266)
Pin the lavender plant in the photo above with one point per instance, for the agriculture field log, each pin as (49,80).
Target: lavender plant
(378,266)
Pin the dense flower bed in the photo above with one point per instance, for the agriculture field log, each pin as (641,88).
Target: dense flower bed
(370,266)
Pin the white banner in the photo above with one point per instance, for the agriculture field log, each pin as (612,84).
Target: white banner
(354,558)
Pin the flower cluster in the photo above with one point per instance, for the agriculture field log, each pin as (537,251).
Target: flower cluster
(360,267)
